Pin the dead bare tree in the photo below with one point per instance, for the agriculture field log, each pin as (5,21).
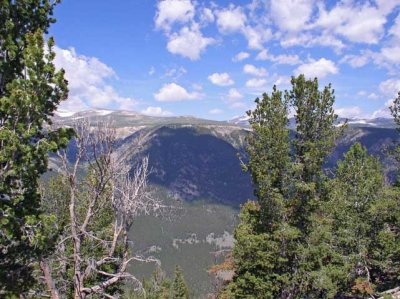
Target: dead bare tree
(94,245)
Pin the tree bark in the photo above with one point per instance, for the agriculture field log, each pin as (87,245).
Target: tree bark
(51,286)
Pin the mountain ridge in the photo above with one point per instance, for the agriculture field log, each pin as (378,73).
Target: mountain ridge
(142,118)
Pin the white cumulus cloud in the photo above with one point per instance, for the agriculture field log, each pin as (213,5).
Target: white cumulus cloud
(189,42)
(88,82)
(355,60)
(395,29)
(278,59)
(156,111)
(286,59)
(256,83)
(373,96)
(263,55)
(256,36)
(317,68)
(173,92)
(234,20)
(383,111)
(390,87)
(234,94)
(281,80)
(172,11)
(349,112)
(359,22)
(255,71)
(231,20)
(391,54)
(233,99)
(207,16)
(241,56)
(221,79)
(291,15)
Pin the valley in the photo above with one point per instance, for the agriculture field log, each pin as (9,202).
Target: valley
(195,169)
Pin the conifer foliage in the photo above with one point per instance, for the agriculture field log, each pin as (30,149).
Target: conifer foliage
(179,289)
(309,235)
(159,286)
(30,90)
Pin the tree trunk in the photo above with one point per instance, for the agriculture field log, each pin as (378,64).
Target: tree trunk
(51,286)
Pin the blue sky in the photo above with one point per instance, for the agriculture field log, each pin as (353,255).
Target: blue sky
(211,59)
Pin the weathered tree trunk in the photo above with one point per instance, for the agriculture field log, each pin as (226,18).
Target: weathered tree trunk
(129,197)
(51,286)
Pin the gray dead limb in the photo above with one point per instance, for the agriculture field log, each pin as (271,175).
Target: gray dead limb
(110,180)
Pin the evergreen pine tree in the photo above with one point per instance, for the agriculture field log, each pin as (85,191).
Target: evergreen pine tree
(314,139)
(362,215)
(395,111)
(344,231)
(270,254)
(269,155)
(158,286)
(30,90)
(263,228)
(357,187)
(179,289)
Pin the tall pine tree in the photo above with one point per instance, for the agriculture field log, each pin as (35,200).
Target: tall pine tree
(263,233)
(314,140)
(344,231)
(269,255)
(30,90)
(357,187)
(179,289)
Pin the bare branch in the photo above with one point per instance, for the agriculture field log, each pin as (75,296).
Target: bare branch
(111,184)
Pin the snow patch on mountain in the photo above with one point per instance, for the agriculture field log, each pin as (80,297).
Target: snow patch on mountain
(64,113)
(369,122)
(240,120)
(358,122)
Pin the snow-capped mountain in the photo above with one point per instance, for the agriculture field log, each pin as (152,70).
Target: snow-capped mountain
(240,120)
(90,113)
(379,122)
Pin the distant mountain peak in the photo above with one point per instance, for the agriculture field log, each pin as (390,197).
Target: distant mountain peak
(93,112)
(240,120)
(379,122)
(63,113)
(125,118)
(66,113)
